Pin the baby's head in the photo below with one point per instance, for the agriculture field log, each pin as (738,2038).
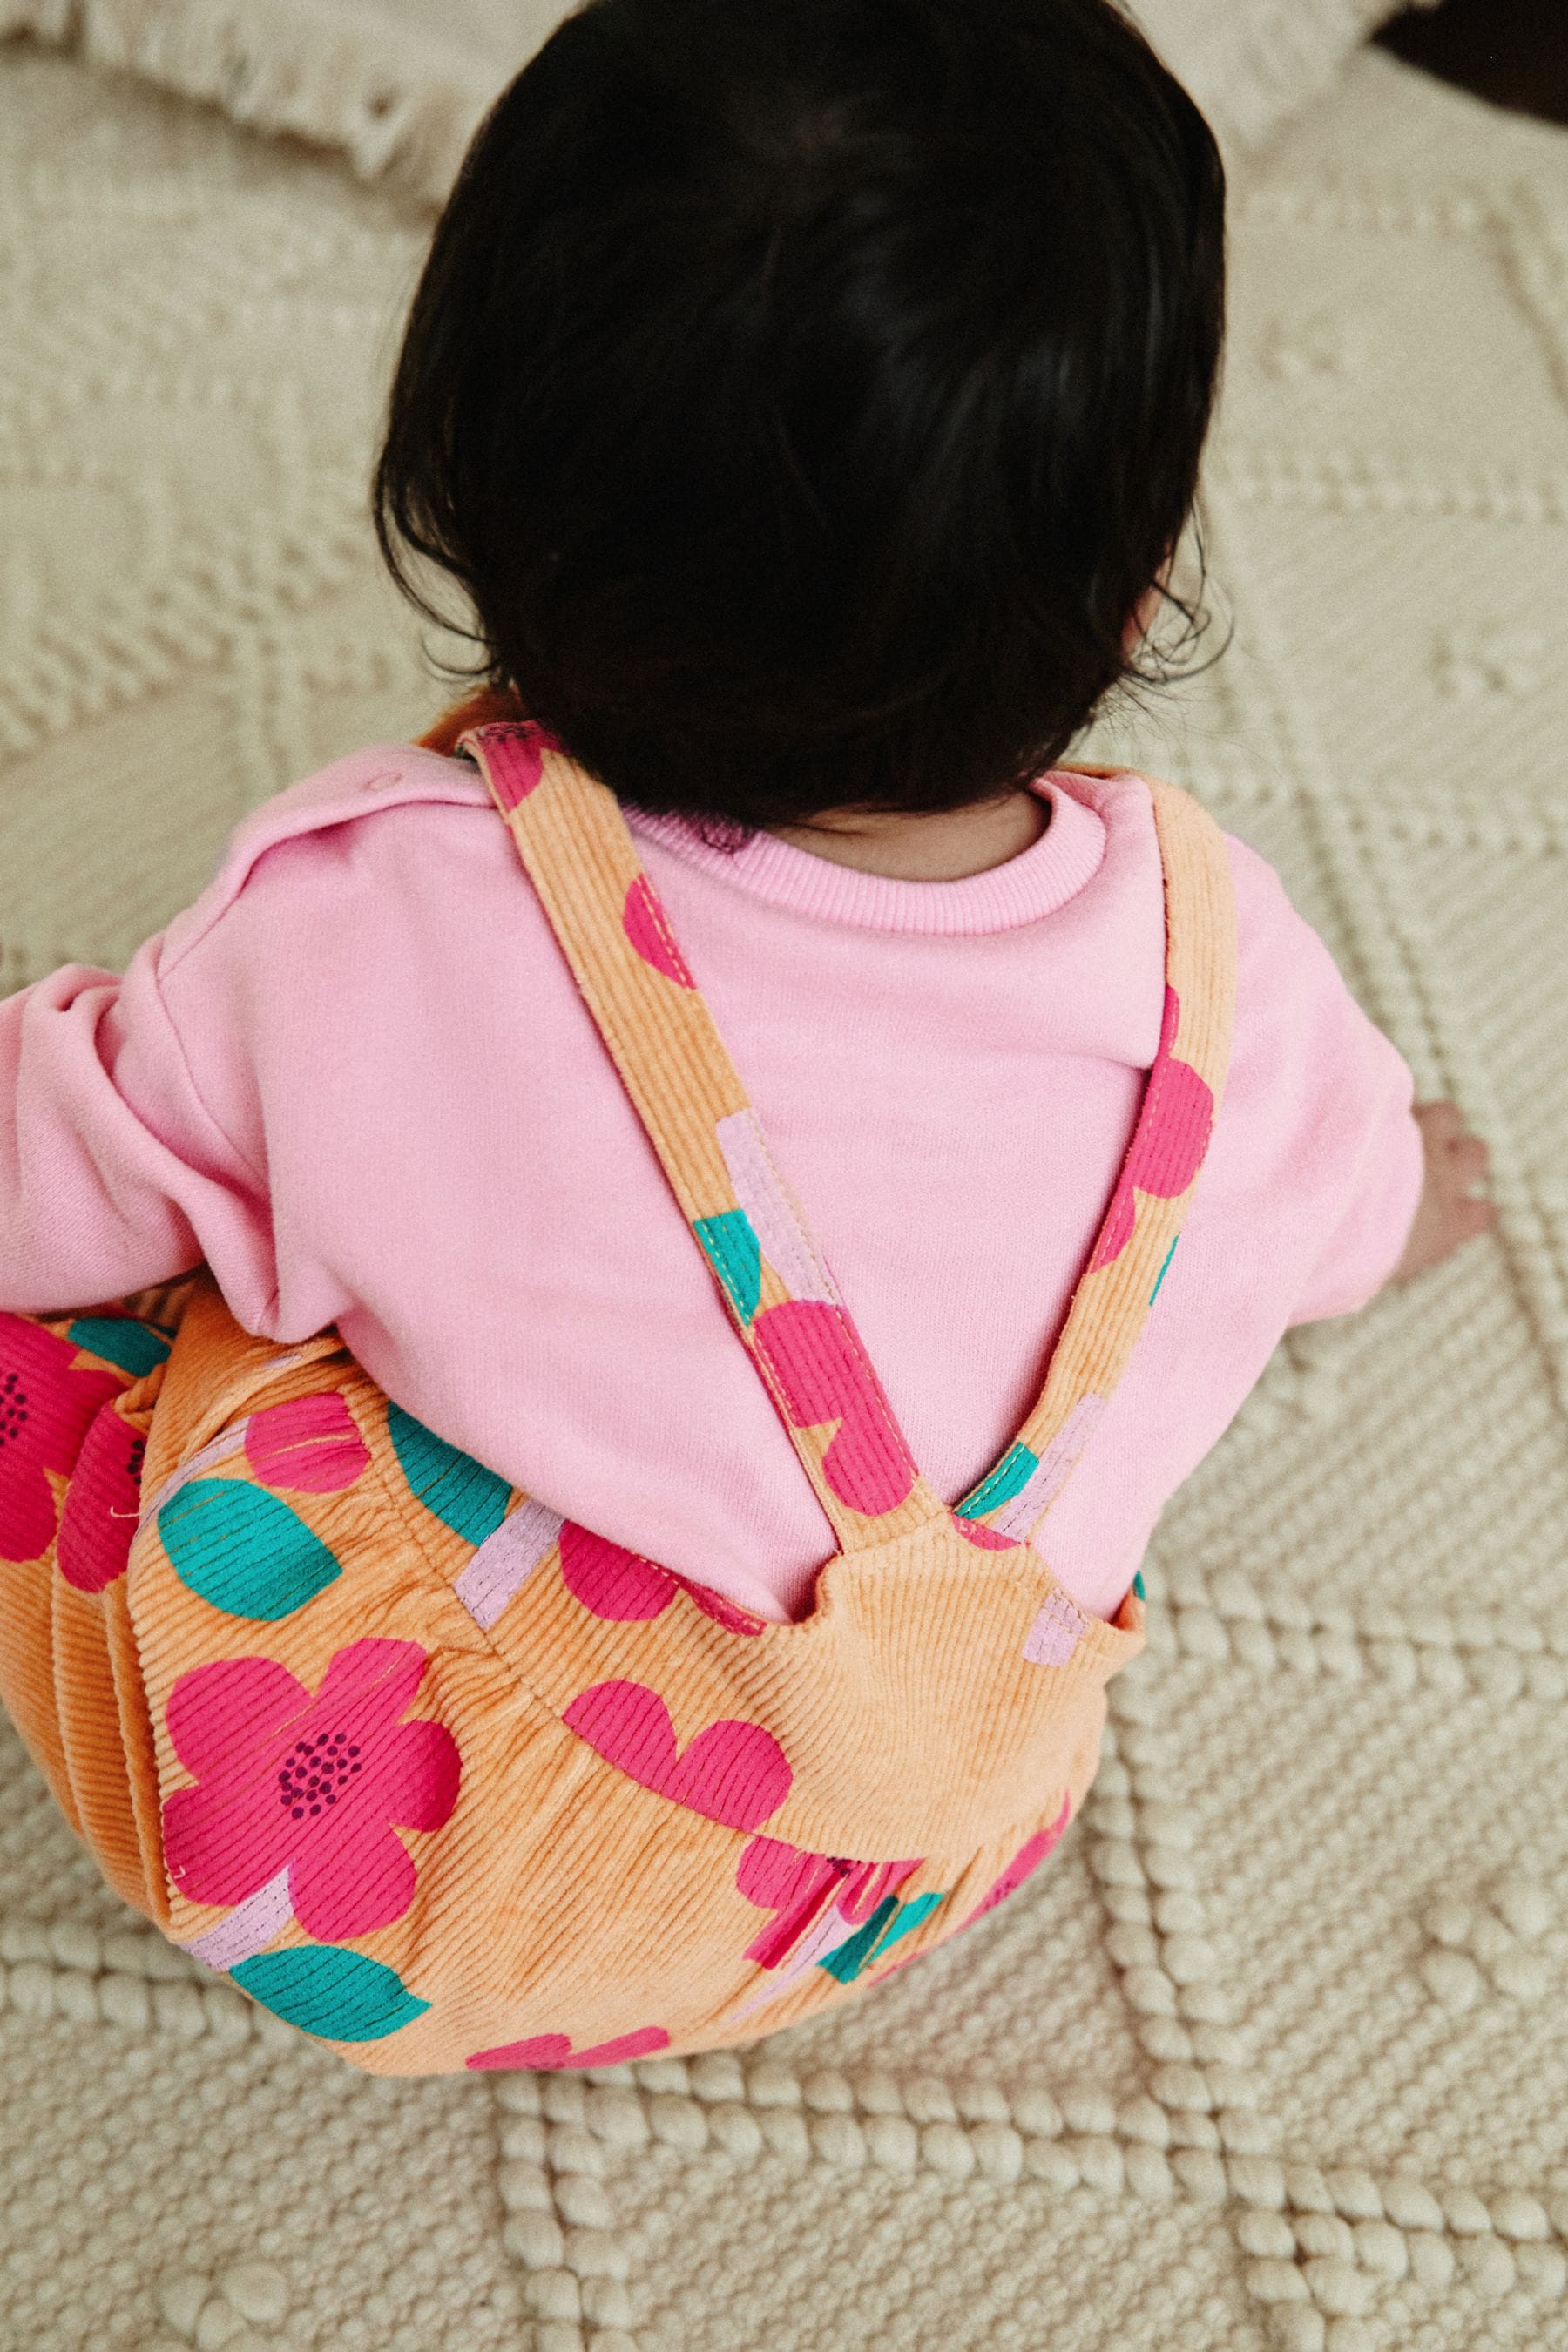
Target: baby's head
(806,393)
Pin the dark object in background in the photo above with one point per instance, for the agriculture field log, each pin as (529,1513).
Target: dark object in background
(1513,52)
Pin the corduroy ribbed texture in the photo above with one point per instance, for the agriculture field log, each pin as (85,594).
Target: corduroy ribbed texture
(585,1806)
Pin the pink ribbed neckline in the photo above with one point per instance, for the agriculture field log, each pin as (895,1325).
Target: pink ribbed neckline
(1041,878)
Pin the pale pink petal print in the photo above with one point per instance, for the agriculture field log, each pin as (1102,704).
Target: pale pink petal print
(759,1190)
(506,1559)
(1056,1633)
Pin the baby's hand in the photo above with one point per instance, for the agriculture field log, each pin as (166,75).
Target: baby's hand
(1449,1214)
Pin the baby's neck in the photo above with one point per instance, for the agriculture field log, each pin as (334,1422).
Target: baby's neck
(946,845)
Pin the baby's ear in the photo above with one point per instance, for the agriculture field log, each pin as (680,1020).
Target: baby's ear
(1143,619)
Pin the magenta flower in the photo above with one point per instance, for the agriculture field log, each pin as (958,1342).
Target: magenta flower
(624,1588)
(549,2049)
(46,1406)
(309,1444)
(102,1502)
(310,1785)
(1028,1858)
(799,1886)
(1168,1143)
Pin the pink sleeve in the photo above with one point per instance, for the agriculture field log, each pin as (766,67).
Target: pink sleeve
(116,1172)
(1330,1099)
(1370,1238)
(110,1165)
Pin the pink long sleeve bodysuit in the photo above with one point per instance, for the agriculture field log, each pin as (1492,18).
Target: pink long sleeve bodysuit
(317,1079)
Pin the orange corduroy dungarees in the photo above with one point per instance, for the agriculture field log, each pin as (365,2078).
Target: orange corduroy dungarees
(448,1780)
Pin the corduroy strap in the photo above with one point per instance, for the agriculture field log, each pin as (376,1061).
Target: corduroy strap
(1159,1176)
(574,840)
(580,855)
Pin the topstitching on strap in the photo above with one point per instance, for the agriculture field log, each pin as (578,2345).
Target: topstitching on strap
(616,937)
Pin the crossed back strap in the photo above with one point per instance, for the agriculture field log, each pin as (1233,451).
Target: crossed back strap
(786,1309)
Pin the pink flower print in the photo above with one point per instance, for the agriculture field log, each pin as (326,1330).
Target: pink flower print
(869,1885)
(723,1610)
(46,1406)
(646,926)
(732,1772)
(610,1582)
(800,1886)
(312,1785)
(516,749)
(1028,1857)
(103,1502)
(309,1444)
(808,1346)
(625,1588)
(550,2049)
(982,1537)
(1168,1142)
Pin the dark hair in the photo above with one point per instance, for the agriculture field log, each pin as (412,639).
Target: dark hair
(805,392)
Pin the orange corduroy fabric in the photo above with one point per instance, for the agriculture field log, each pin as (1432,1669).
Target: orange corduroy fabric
(448,1779)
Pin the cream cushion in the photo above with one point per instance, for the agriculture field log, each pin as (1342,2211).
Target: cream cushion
(1252,64)
(401,84)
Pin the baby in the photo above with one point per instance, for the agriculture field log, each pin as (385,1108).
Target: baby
(804,396)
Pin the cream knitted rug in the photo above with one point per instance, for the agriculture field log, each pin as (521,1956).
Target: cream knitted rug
(1275,2053)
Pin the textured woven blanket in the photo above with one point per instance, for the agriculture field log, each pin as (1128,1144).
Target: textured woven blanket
(1275,2052)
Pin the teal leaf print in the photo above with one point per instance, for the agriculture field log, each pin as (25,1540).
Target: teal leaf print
(1011,1476)
(134,1347)
(909,1916)
(847,1960)
(460,1492)
(244,1550)
(888,1923)
(341,1996)
(736,1256)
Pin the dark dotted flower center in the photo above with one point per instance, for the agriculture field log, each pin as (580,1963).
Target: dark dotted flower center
(138,1455)
(315,1773)
(13,1407)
